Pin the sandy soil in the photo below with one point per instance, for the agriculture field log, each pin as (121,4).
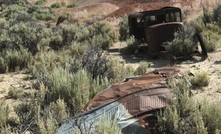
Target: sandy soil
(212,66)
(17,81)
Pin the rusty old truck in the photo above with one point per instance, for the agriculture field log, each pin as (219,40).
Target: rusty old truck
(155,27)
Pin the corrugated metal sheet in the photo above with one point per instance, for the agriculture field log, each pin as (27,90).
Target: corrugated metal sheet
(129,101)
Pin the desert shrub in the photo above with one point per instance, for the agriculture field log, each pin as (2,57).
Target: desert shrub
(12,60)
(73,88)
(7,129)
(186,114)
(76,49)
(72,5)
(183,43)
(65,35)
(211,113)
(56,5)
(213,27)
(63,4)
(211,43)
(29,35)
(27,111)
(13,10)
(14,93)
(3,65)
(102,34)
(95,62)
(207,17)
(4,114)
(198,24)
(142,68)
(58,111)
(217,14)
(124,28)
(40,2)
(44,16)
(46,62)
(132,46)
(117,70)
(47,126)
(182,115)
(200,80)
(107,126)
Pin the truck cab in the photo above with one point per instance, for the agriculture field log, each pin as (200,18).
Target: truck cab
(155,27)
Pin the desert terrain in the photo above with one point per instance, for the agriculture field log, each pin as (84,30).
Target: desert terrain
(113,10)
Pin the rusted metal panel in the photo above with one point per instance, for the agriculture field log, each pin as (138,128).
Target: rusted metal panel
(129,101)
(154,79)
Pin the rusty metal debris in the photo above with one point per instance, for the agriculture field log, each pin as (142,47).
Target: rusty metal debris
(130,101)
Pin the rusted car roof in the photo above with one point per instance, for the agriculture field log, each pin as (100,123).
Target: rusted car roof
(129,101)
(150,81)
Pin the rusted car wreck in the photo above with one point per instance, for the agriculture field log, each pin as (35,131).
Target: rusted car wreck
(155,27)
(131,101)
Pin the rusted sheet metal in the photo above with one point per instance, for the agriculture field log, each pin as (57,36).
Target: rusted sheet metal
(155,79)
(129,101)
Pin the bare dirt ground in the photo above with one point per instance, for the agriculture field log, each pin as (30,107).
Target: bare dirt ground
(83,13)
(212,66)
(14,81)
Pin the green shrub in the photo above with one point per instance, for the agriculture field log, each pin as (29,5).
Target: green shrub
(198,24)
(13,60)
(117,70)
(213,27)
(95,62)
(179,117)
(72,5)
(59,111)
(102,34)
(207,17)
(186,115)
(3,65)
(124,28)
(48,125)
(56,5)
(27,112)
(40,2)
(76,49)
(200,80)
(7,129)
(132,46)
(4,114)
(74,89)
(211,43)
(14,93)
(107,126)
(183,43)
(217,14)
(44,16)
(142,68)
(211,113)
(63,4)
